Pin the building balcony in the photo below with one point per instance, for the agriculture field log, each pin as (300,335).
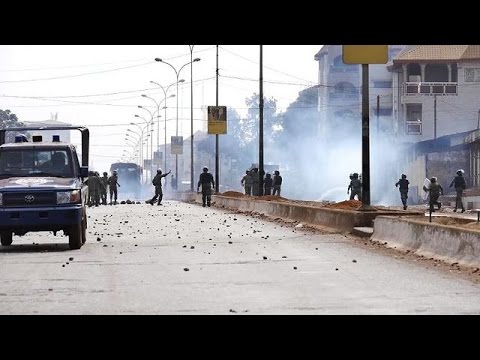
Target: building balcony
(430,88)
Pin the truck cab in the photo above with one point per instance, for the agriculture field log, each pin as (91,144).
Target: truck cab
(42,186)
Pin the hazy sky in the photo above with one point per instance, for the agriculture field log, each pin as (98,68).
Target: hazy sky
(100,86)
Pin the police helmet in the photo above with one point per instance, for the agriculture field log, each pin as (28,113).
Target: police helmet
(205,169)
(115,172)
(159,171)
(105,173)
(404,176)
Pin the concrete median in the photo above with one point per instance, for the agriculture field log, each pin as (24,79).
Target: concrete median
(442,242)
(337,219)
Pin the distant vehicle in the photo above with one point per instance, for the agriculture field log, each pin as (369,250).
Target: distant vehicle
(41,186)
(129,178)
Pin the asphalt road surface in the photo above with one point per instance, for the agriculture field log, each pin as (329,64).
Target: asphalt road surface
(181,258)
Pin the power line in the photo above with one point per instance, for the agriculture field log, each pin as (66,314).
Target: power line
(267,67)
(76,75)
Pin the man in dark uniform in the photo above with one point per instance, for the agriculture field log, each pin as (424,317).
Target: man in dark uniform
(434,191)
(356,187)
(268,184)
(460,185)
(207,183)
(403,183)
(157,182)
(277,183)
(103,190)
(113,183)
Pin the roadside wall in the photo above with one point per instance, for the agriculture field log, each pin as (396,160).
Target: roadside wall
(443,242)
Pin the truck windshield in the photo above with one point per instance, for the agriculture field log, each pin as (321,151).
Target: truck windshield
(35,162)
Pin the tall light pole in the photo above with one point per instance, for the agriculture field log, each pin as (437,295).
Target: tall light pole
(151,137)
(191,118)
(142,130)
(177,73)
(165,117)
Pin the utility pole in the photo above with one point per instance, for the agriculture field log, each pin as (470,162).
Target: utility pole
(260,130)
(378,113)
(217,171)
(365,141)
(191,118)
(435,116)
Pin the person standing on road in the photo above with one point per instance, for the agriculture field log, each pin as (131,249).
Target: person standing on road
(355,187)
(103,193)
(207,183)
(460,185)
(157,182)
(434,191)
(403,183)
(112,184)
(255,182)
(277,183)
(268,184)
(247,183)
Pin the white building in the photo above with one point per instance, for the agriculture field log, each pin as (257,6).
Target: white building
(436,91)
(339,94)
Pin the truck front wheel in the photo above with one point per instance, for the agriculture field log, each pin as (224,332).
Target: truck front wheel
(84,231)
(75,237)
(6,238)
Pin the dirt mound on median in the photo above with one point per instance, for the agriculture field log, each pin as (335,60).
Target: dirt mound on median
(271,198)
(347,205)
(232,194)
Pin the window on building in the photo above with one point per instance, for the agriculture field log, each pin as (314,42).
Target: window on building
(414,119)
(436,73)
(414,128)
(414,72)
(472,75)
(414,112)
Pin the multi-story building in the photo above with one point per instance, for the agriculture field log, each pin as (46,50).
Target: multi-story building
(436,91)
(436,109)
(339,93)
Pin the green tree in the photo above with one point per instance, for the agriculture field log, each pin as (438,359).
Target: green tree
(301,119)
(272,124)
(8,120)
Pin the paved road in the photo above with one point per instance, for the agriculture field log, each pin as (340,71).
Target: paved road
(184,259)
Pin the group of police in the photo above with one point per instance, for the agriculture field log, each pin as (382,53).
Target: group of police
(434,191)
(251,183)
(97,188)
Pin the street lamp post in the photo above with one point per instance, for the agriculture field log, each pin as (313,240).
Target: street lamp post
(177,73)
(142,130)
(191,117)
(158,121)
(165,117)
(151,137)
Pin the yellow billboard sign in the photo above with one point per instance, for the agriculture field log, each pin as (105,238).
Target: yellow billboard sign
(365,54)
(217,119)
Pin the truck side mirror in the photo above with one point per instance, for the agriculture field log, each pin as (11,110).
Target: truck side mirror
(83,171)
